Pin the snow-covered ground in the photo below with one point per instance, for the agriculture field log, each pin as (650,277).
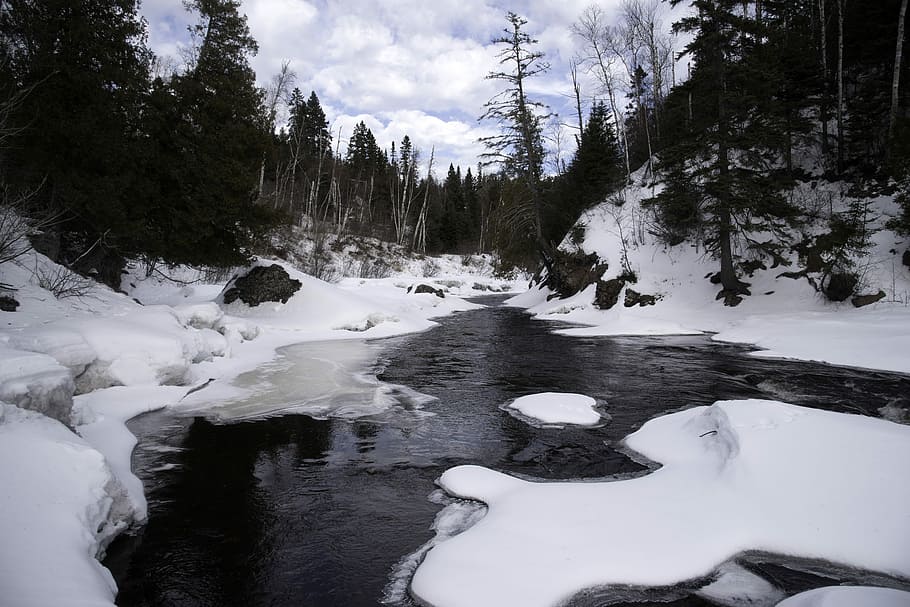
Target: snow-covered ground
(736,476)
(94,360)
(785,317)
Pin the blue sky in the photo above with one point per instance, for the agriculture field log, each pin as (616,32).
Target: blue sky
(411,67)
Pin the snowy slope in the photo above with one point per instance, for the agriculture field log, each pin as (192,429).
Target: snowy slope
(785,316)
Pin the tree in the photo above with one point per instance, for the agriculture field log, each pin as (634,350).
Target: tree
(85,67)
(212,127)
(518,148)
(721,172)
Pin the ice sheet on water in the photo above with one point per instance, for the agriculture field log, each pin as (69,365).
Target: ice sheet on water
(320,379)
(736,586)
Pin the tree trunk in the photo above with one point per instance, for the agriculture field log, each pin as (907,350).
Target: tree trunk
(895,80)
(840,85)
(823,106)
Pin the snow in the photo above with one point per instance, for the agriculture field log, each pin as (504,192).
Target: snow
(848,596)
(60,505)
(735,476)
(784,316)
(102,417)
(64,495)
(557,408)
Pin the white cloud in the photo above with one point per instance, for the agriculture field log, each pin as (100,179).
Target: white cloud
(404,67)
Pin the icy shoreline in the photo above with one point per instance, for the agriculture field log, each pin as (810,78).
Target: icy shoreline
(66,493)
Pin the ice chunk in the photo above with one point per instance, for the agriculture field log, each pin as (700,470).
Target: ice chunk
(736,586)
(319,379)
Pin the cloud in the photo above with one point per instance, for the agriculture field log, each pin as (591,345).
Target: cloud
(405,67)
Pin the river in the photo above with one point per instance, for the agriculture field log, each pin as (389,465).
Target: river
(294,510)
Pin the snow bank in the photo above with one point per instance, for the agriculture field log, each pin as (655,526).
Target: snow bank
(557,408)
(60,505)
(736,476)
(101,418)
(36,382)
(848,596)
(783,315)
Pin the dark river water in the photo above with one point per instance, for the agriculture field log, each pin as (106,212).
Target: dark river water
(293,510)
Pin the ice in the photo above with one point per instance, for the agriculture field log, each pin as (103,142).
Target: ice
(36,382)
(849,596)
(319,379)
(102,417)
(736,476)
(556,408)
(736,586)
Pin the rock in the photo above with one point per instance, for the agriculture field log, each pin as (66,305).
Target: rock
(864,300)
(8,303)
(749,267)
(423,288)
(607,293)
(840,286)
(634,298)
(906,258)
(262,284)
(570,273)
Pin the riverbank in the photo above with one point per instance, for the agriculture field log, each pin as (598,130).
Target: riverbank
(123,354)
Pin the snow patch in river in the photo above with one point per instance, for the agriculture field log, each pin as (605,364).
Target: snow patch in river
(555,408)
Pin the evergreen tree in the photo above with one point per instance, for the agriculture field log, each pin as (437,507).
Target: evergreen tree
(518,148)
(84,65)
(216,120)
(722,169)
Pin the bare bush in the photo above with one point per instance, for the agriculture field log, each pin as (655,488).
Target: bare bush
(62,282)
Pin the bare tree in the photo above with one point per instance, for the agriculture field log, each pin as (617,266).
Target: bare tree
(593,30)
(895,80)
(420,230)
(277,91)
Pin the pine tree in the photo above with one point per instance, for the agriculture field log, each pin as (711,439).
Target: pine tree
(721,170)
(213,130)
(518,148)
(84,65)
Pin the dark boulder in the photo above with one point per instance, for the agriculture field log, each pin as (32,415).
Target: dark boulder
(840,286)
(864,300)
(569,273)
(607,293)
(8,303)
(634,298)
(262,284)
(422,288)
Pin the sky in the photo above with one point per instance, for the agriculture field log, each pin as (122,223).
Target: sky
(414,67)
